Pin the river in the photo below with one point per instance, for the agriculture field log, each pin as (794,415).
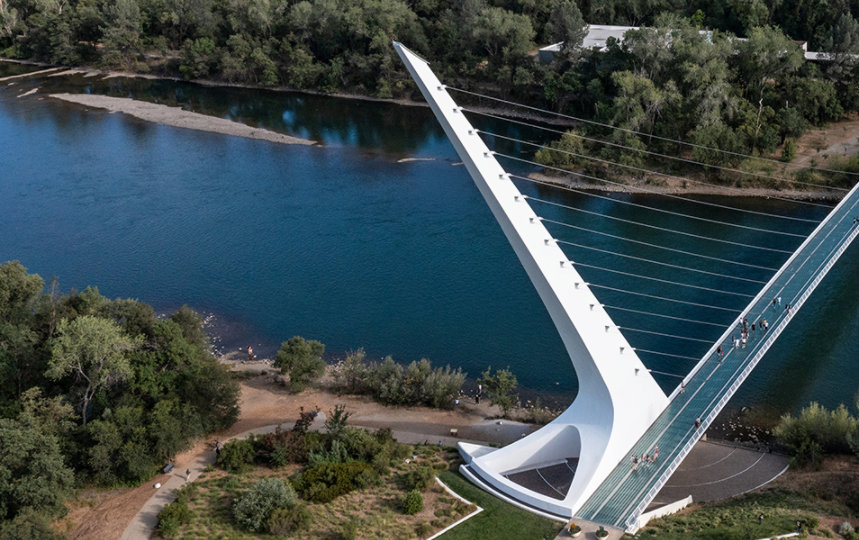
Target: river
(342,242)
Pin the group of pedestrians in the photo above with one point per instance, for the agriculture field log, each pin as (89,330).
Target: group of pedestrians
(644,459)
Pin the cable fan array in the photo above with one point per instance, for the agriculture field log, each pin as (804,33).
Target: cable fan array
(674,271)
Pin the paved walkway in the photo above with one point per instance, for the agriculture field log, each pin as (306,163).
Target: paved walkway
(143,524)
(712,471)
(628,490)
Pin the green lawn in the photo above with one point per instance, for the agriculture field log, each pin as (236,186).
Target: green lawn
(738,518)
(498,520)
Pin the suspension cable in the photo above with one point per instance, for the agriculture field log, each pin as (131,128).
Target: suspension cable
(626,130)
(662,315)
(624,291)
(662,210)
(636,349)
(632,222)
(656,154)
(648,171)
(660,280)
(648,244)
(666,373)
(707,341)
(660,263)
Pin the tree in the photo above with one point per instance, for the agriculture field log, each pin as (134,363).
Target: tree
(33,473)
(123,25)
(500,387)
(566,25)
(18,291)
(94,351)
(301,360)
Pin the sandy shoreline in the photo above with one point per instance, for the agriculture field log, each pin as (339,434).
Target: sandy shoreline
(674,187)
(178,117)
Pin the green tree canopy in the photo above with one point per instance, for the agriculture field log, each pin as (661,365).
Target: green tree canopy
(500,387)
(94,351)
(301,359)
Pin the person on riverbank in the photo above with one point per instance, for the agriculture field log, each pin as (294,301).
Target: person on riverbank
(250,354)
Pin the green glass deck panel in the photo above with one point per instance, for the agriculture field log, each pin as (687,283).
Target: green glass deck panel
(626,491)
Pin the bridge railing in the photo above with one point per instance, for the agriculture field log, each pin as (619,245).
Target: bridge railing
(811,284)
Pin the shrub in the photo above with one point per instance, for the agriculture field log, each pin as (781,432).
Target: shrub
(282,447)
(253,509)
(845,528)
(236,455)
(423,529)
(173,516)
(350,374)
(324,482)
(285,521)
(413,503)
(815,431)
(419,478)
(350,529)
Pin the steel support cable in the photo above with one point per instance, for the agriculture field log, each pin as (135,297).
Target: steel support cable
(666,156)
(666,373)
(662,210)
(624,291)
(693,235)
(626,130)
(636,349)
(660,263)
(664,316)
(648,171)
(660,280)
(707,341)
(648,244)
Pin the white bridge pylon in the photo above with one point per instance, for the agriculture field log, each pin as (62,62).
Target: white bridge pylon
(617,399)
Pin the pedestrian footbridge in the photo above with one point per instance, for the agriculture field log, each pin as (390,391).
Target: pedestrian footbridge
(581,464)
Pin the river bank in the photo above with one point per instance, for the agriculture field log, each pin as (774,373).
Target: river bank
(653,184)
(680,186)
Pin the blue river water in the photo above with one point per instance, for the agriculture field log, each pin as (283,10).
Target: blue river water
(344,243)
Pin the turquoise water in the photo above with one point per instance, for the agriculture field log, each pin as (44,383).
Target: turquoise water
(342,243)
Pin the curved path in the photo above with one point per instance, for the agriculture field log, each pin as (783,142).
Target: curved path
(143,524)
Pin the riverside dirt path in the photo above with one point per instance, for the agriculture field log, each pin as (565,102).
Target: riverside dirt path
(264,404)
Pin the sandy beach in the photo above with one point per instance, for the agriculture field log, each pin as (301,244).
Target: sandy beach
(178,117)
(677,186)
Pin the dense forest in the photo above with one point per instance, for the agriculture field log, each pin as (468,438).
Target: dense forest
(95,392)
(668,79)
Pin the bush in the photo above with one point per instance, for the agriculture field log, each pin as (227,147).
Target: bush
(253,509)
(285,521)
(173,516)
(817,430)
(845,528)
(236,455)
(324,482)
(282,447)
(416,384)
(413,503)
(420,478)
(301,360)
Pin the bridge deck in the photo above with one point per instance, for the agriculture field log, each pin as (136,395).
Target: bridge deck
(626,492)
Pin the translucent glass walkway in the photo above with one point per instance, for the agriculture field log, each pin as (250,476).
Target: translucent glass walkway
(627,491)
